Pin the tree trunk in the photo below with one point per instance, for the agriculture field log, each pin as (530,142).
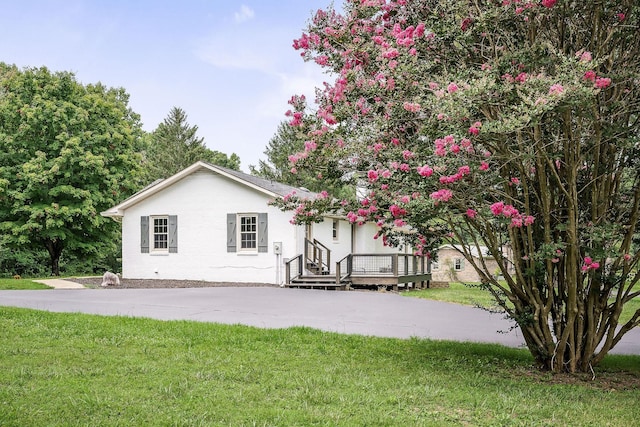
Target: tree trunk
(54,247)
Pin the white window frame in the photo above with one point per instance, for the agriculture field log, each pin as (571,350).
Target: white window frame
(335,230)
(152,233)
(458,264)
(435,265)
(241,231)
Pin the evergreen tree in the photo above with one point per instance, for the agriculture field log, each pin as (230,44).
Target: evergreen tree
(278,166)
(174,146)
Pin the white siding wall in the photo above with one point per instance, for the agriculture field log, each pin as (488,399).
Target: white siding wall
(366,244)
(364,241)
(201,201)
(341,247)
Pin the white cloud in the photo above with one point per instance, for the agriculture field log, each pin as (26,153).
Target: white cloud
(222,54)
(244,14)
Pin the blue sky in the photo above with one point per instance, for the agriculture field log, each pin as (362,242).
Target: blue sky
(229,64)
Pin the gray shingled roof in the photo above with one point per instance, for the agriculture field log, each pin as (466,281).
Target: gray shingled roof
(269,185)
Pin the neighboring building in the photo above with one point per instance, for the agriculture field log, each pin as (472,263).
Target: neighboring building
(215,224)
(452,266)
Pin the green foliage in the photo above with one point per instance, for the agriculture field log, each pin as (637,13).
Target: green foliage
(69,151)
(174,146)
(20,284)
(278,167)
(457,293)
(72,369)
(23,262)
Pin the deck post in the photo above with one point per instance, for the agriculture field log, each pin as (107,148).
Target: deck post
(287,273)
(394,264)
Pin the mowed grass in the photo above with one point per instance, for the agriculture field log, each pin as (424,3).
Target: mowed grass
(74,370)
(476,296)
(17,284)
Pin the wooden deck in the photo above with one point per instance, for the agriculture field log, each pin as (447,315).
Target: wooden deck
(393,271)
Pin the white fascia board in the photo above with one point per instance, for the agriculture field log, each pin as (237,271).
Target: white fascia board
(118,210)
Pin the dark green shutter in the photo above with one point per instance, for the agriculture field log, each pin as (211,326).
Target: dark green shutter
(231,233)
(263,233)
(173,234)
(144,234)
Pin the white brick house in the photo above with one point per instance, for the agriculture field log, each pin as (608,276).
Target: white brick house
(215,224)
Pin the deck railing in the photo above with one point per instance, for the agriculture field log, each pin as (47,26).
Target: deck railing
(293,269)
(367,269)
(383,269)
(317,256)
(387,265)
(343,268)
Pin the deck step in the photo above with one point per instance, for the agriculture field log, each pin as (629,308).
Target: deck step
(315,278)
(316,281)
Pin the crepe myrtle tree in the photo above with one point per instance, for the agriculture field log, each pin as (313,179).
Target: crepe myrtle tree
(511,125)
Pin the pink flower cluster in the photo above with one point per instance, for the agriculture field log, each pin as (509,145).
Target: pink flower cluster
(353,217)
(326,113)
(294,158)
(556,89)
(448,144)
(322,195)
(462,172)
(391,53)
(406,37)
(589,264)
(287,197)
(301,211)
(306,41)
(442,195)
(397,211)
(299,104)
(413,107)
(425,171)
(585,56)
(508,211)
(598,82)
(310,146)
(296,117)
(522,5)
(475,128)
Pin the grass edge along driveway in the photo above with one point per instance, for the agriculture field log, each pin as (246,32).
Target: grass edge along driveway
(74,369)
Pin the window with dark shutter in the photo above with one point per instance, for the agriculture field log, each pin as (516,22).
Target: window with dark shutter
(263,232)
(144,234)
(247,232)
(231,233)
(173,234)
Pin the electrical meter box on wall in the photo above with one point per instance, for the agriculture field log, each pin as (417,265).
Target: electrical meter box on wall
(277,248)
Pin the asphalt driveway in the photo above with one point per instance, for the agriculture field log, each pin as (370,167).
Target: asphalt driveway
(364,313)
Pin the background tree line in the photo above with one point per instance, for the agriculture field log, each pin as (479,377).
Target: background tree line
(69,151)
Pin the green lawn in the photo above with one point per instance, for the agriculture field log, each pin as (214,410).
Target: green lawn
(14,284)
(473,295)
(457,293)
(74,370)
